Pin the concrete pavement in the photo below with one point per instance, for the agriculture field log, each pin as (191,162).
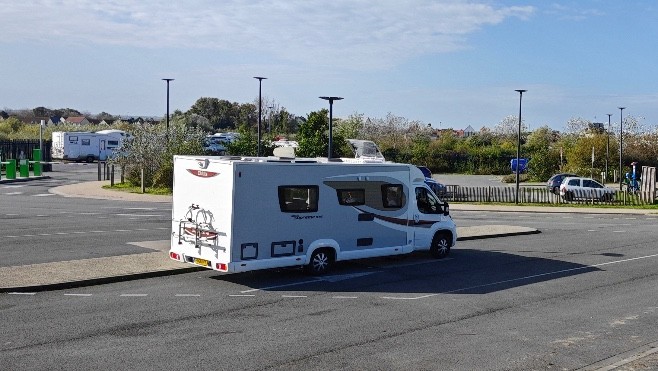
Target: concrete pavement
(66,274)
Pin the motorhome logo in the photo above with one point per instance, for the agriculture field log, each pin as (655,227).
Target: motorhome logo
(203,163)
(202,173)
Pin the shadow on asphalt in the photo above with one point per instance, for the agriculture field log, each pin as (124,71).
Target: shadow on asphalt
(465,271)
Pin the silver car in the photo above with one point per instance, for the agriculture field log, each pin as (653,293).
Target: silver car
(573,188)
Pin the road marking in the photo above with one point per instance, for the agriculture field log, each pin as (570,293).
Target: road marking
(22,293)
(188,295)
(13,193)
(279,286)
(133,295)
(242,295)
(85,295)
(294,296)
(618,231)
(344,297)
(44,194)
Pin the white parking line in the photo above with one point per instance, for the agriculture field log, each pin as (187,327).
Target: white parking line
(279,286)
(241,295)
(294,296)
(84,295)
(22,293)
(188,295)
(133,295)
(344,297)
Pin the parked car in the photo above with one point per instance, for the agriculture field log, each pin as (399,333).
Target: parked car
(573,188)
(439,189)
(554,182)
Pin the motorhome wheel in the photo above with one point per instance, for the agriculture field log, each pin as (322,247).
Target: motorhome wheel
(321,261)
(440,246)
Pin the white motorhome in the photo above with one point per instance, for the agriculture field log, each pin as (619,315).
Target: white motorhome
(235,214)
(85,145)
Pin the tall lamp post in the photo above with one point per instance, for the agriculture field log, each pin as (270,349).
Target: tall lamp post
(518,147)
(621,141)
(607,147)
(260,103)
(331,105)
(167,119)
(269,119)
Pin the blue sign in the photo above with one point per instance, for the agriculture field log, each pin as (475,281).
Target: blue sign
(522,166)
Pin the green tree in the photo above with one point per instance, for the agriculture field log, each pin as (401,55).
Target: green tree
(313,137)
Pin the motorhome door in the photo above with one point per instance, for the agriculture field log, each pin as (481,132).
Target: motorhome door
(428,211)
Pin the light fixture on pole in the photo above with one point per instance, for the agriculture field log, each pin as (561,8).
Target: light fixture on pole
(269,119)
(167,118)
(607,147)
(621,141)
(331,105)
(518,148)
(260,103)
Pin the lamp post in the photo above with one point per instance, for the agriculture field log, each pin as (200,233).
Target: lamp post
(518,147)
(167,118)
(260,103)
(269,119)
(621,141)
(607,147)
(331,105)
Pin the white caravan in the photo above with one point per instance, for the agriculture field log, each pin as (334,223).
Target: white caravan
(85,145)
(235,214)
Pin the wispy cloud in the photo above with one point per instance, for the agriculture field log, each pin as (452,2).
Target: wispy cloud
(348,33)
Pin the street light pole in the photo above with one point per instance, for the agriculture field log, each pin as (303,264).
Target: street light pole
(331,105)
(167,119)
(621,141)
(269,119)
(260,103)
(518,147)
(607,147)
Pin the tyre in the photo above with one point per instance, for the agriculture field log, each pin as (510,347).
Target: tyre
(556,190)
(568,196)
(90,159)
(321,262)
(440,245)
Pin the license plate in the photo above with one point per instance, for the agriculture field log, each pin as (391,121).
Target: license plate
(203,262)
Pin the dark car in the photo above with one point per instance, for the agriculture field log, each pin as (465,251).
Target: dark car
(554,182)
(436,187)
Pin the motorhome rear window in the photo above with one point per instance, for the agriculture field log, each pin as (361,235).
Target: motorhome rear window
(85,142)
(392,195)
(298,198)
(351,196)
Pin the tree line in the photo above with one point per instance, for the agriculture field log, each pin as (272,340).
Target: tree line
(583,148)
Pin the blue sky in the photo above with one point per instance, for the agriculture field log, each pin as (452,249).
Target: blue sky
(446,63)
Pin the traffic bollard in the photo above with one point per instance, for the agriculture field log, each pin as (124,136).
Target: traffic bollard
(11,169)
(36,162)
(24,169)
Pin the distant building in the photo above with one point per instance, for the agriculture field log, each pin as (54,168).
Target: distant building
(54,120)
(77,120)
(469,131)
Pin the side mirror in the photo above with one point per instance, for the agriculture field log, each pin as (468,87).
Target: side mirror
(446,208)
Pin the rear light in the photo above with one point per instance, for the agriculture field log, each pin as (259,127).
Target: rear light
(221,267)
(174,256)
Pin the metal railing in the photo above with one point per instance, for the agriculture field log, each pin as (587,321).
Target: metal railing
(539,195)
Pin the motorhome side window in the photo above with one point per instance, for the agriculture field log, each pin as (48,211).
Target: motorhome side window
(426,202)
(85,142)
(298,198)
(114,143)
(392,195)
(351,197)
(73,139)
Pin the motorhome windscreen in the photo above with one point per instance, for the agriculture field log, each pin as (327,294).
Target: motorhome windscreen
(298,198)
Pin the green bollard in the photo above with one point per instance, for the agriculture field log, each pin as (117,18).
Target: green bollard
(24,169)
(36,158)
(11,169)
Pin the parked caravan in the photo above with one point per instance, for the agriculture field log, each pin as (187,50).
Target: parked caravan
(235,214)
(86,146)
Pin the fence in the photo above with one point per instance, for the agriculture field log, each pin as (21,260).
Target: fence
(538,195)
(12,149)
